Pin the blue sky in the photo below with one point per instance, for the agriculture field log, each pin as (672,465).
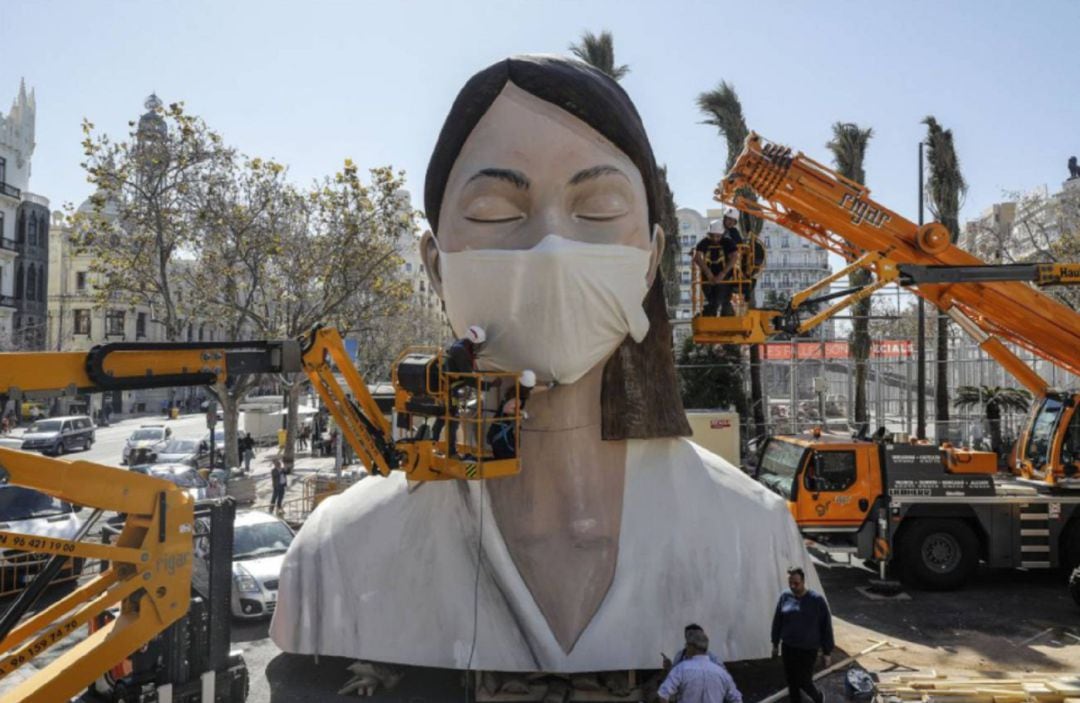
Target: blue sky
(313,83)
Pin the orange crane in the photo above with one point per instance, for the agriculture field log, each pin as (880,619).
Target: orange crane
(993,304)
(150,562)
(931,513)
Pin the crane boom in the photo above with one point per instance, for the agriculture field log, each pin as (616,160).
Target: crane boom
(838,214)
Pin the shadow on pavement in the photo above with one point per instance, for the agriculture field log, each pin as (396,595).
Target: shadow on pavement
(296,678)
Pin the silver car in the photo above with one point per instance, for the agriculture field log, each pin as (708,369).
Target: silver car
(178,451)
(187,478)
(148,438)
(26,511)
(260,541)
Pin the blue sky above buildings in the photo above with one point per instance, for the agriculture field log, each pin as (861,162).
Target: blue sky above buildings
(313,83)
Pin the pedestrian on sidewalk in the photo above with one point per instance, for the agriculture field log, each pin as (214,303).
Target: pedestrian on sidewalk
(247,450)
(697,679)
(280,479)
(801,626)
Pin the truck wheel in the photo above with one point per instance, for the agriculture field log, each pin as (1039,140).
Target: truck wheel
(1074,585)
(1070,547)
(939,554)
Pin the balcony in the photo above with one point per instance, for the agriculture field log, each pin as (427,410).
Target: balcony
(10,190)
(9,244)
(7,301)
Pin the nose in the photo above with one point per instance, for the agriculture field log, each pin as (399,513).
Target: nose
(549,216)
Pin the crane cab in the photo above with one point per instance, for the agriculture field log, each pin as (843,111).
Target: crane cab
(477,406)
(1049,448)
(829,481)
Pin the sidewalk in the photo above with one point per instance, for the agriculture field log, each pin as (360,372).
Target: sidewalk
(305,465)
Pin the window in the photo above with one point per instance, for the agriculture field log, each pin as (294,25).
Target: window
(31,283)
(32,230)
(140,325)
(82,322)
(114,323)
(41,284)
(80,281)
(3,170)
(19,282)
(831,471)
(408,267)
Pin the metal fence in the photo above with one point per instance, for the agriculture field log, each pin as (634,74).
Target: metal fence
(804,393)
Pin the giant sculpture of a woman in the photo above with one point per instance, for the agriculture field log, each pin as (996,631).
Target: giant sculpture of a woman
(543,201)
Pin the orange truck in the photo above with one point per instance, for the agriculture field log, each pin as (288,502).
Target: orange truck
(932,513)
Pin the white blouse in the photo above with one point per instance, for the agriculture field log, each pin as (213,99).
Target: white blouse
(382,574)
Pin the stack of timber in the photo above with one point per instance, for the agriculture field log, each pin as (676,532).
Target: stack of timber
(1011,688)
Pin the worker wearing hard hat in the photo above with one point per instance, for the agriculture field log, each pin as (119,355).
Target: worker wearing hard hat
(502,434)
(715,256)
(459,357)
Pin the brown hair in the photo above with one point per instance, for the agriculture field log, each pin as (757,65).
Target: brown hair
(640,397)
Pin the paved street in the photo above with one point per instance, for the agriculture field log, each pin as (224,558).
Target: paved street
(109,441)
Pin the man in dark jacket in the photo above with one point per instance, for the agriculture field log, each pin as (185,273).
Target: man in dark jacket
(802,625)
(716,255)
(459,357)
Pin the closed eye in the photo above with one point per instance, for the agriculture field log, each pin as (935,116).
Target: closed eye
(493,209)
(496,221)
(601,206)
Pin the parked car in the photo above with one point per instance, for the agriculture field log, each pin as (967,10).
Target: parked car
(178,451)
(185,477)
(31,512)
(57,435)
(150,437)
(260,541)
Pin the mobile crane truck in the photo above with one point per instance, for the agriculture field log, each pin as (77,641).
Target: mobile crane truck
(151,562)
(931,513)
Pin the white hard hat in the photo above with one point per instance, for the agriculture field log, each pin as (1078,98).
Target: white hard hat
(717,227)
(732,213)
(528,378)
(476,334)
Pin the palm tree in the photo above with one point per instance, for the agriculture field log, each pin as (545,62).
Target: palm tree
(723,110)
(946,187)
(848,147)
(599,52)
(995,401)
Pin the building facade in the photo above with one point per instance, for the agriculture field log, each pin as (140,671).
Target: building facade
(24,232)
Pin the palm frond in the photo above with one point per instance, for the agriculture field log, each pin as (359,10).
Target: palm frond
(848,147)
(945,183)
(599,52)
(723,110)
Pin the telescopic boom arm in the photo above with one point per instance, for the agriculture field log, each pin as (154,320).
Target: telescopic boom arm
(990,302)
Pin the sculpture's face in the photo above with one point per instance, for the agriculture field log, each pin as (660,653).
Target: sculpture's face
(530,169)
(544,241)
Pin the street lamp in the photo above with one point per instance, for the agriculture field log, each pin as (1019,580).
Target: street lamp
(920,404)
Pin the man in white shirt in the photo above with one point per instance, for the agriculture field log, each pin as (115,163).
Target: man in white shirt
(696,679)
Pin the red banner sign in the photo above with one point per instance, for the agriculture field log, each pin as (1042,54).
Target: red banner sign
(880,349)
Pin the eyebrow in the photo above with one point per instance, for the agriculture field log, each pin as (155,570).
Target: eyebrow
(595,172)
(514,178)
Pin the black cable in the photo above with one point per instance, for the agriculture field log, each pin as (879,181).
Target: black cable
(476,587)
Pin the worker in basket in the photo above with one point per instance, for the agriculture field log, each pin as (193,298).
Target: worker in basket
(459,357)
(502,433)
(717,256)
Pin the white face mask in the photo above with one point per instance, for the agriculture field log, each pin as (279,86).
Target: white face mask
(559,308)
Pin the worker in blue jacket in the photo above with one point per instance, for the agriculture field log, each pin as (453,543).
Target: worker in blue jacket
(801,626)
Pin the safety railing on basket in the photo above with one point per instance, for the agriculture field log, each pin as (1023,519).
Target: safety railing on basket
(712,298)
